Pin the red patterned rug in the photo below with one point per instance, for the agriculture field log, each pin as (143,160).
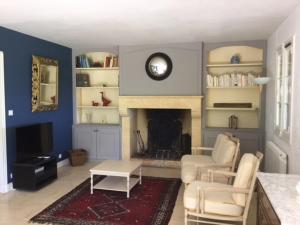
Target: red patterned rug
(151,203)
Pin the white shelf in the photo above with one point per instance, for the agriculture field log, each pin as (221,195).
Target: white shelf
(235,87)
(231,109)
(48,84)
(116,184)
(46,102)
(259,64)
(98,87)
(96,107)
(98,68)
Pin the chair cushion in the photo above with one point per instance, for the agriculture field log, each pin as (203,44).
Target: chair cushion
(226,151)
(188,174)
(221,138)
(197,160)
(244,177)
(220,203)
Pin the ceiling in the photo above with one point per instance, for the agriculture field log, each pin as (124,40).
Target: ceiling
(82,24)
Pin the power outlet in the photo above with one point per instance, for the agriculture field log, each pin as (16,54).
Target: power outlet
(60,156)
(10,112)
(11,176)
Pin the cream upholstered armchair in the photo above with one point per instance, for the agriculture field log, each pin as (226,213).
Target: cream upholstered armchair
(223,156)
(217,203)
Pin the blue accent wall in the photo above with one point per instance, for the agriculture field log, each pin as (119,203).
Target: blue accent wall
(18,49)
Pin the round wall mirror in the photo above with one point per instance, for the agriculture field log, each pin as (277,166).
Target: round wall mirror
(158,66)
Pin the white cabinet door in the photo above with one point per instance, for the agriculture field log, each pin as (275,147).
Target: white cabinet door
(85,138)
(101,142)
(108,143)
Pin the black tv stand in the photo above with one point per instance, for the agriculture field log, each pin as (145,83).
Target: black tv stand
(34,173)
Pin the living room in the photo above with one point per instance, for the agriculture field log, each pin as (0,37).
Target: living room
(137,86)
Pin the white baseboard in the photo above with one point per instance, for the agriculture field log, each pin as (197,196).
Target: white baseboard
(9,187)
(62,163)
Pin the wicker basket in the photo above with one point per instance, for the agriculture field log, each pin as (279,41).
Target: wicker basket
(77,157)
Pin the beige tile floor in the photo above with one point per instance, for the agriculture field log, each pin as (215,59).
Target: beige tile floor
(17,207)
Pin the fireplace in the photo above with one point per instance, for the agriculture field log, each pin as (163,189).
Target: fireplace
(130,110)
(162,134)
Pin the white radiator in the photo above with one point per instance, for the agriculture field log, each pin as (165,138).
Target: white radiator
(275,159)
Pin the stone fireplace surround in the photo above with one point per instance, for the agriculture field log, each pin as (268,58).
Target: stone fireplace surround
(128,103)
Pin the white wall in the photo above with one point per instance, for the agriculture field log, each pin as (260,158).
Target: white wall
(290,27)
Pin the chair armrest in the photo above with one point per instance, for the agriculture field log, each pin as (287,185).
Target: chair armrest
(199,150)
(222,172)
(225,189)
(203,148)
(211,174)
(214,166)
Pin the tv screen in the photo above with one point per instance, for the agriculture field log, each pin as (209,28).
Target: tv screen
(34,140)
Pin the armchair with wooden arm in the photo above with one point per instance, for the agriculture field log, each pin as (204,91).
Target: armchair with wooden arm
(217,203)
(222,156)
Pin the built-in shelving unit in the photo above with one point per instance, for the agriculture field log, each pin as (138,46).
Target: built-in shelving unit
(233,83)
(97,72)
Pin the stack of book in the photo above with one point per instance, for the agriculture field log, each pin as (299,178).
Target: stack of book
(82,61)
(111,61)
(234,79)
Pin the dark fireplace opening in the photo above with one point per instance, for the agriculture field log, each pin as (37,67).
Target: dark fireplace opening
(165,137)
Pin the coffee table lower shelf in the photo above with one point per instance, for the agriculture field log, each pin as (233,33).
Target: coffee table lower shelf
(116,184)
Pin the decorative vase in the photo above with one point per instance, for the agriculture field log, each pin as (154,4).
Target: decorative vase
(235,59)
(88,116)
(233,122)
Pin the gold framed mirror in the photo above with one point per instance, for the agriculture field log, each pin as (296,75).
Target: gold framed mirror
(44,84)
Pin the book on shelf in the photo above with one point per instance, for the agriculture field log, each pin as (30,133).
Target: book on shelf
(111,61)
(234,79)
(107,61)
(115,61)
(82,61)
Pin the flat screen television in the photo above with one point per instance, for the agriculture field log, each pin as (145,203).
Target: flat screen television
(33,141)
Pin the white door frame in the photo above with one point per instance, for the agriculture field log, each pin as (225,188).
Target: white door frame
(3,157)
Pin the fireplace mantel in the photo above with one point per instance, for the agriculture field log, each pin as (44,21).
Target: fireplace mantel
(126,103)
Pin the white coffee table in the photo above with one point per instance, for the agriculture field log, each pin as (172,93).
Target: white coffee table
(118,174)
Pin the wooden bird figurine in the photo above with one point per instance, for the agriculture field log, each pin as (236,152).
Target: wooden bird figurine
(105,100)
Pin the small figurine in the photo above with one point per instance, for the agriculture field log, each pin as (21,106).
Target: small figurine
(53,99)
(94,103)
(105,100)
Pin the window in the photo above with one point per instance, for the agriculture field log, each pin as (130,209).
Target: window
(284,90)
